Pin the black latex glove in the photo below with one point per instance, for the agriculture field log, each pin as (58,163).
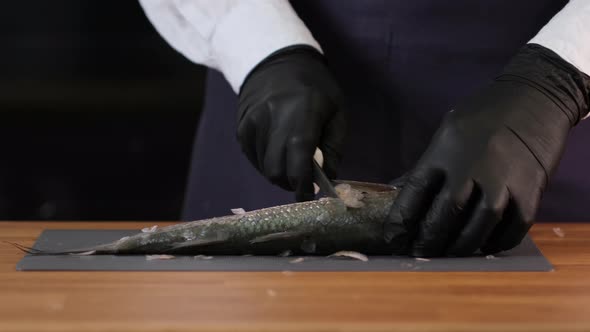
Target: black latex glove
(479,183)
(289,105)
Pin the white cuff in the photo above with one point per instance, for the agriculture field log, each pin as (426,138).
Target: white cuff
(251,32)
(568,34)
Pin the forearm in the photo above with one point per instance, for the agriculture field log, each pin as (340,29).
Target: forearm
(228,35)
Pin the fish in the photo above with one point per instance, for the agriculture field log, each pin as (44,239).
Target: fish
(351,222)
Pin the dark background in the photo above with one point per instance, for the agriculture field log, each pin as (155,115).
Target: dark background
(97,113)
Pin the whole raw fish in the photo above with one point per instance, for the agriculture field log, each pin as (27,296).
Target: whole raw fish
(352,222)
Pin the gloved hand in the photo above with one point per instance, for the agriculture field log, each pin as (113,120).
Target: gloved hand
(289,105)
(478,184)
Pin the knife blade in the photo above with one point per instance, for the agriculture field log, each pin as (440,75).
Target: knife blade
(320,178)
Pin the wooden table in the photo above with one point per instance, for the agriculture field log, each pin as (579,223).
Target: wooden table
(275,301)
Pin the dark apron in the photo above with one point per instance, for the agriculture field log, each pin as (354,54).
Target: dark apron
(402,65)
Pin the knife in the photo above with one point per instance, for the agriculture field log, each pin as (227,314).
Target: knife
(320,178)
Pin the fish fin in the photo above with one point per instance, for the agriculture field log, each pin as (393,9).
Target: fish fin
(158,257)
(351,254)
(219,238)
(276,236)
(85,253)
(238,211)
(308,246)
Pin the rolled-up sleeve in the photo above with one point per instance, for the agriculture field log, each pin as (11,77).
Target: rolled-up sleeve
(232,36)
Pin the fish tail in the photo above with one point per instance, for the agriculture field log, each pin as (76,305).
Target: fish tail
(25,249)
(37,252)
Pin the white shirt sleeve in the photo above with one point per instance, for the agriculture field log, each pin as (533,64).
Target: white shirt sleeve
(568,34)
(232,36)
